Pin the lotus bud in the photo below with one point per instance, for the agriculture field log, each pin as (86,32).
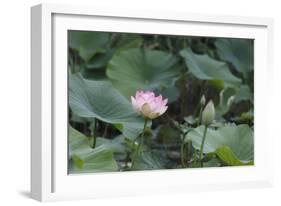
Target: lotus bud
(148,104)
(203,100)
(208,114)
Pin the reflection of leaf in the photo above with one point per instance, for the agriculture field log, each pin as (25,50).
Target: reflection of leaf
(239,139)
(86,159)
(134,69)
(88,43)
(205,68)
(98,99)
(237,51)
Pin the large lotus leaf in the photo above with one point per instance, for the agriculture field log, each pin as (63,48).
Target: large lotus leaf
(88,43)
(87,159)
(239,140)
(98,99)
(205,68)
(134,69)
(239,52)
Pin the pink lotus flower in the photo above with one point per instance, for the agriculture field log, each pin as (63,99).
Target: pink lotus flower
(147,104)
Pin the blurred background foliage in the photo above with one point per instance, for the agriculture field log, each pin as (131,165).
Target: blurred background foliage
(105,69)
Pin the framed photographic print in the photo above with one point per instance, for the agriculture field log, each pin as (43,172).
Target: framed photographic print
(137,102)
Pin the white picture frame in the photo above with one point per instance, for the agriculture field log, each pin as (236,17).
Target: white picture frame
(49,178)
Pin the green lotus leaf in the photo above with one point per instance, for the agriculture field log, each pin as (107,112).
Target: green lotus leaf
(100,60)
(116,145)
(98,99)
(87,159)
(148,160)
(244,94)
(99,159)
(88,43)
(240,52)
(76,140)
(135,69)
(94,68)
(229,141)
(127,41)
(205,68)
(228,157)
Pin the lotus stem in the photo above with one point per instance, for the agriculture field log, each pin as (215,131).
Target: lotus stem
(202,146)
(139,144)
(94,135)
(182,156)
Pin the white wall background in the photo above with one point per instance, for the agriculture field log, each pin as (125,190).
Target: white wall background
(15,100)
